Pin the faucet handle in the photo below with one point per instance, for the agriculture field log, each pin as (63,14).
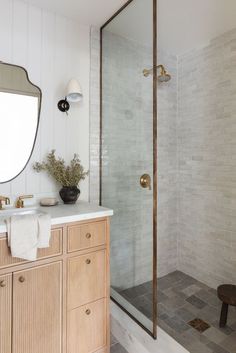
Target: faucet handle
(4,199)
(20,200)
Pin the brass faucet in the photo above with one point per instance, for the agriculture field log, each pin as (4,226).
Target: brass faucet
(20,200)
(4,199)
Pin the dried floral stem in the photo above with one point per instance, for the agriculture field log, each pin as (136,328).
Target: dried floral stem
(69,175)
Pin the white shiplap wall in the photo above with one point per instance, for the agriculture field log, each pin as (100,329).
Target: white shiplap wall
(53,49)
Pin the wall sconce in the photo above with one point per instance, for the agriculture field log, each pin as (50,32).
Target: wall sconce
(73,95)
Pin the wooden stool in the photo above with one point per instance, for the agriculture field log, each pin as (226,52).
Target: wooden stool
(227,294)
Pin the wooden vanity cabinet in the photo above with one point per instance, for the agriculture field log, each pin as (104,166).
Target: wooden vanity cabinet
(59,303)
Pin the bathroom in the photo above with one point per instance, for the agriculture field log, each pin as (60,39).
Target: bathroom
(152,129)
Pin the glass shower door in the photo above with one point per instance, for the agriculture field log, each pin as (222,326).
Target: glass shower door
(128,151)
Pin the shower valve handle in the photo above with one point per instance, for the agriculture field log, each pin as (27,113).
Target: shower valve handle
(145,181)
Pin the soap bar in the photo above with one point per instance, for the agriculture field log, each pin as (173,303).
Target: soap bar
(49,201)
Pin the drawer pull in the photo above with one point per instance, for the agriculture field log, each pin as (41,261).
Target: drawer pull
(88,312)
(88,261)
(88,235)
(21,279)
(2,284)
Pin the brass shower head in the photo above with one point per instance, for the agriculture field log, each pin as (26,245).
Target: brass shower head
(163,77)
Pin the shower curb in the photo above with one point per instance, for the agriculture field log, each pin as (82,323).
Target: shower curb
(135,340)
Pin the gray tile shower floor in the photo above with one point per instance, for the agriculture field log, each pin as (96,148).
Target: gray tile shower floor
(182,299)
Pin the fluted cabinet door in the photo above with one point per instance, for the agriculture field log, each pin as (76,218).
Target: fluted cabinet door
(5,313)
(86,328)
(37,310)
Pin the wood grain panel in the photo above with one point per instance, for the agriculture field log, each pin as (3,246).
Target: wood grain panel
(86,278)
(55,248)
(87,328)
(5,313)
(86,236)
(37,309)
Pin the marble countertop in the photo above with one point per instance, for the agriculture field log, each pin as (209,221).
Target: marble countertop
(61,213)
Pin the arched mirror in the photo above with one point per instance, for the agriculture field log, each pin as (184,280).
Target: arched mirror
(20,103)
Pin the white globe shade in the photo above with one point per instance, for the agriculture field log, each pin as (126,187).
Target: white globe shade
(74,91)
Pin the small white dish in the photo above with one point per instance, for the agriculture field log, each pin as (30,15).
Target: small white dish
(48,201)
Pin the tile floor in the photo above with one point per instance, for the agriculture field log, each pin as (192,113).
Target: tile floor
(181,300)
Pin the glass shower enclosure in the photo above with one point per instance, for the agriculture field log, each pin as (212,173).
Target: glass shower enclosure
(128,156)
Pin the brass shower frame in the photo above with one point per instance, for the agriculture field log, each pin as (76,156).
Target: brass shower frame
(155,196)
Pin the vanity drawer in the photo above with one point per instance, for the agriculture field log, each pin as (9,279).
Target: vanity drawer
(86,278)
(87,328)
(55,249)
(85,236)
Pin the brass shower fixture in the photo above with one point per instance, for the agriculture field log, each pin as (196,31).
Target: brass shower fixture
(163,77)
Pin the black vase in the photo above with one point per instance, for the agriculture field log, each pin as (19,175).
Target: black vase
(69,194)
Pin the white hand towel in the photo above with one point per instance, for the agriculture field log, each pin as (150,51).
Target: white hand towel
(44,230)
(23,236)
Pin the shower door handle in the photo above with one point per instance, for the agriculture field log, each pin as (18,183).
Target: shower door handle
(145,181)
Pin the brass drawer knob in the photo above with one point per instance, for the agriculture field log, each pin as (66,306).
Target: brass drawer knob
(88,261)
(88,312)
(88,235)
(2,284)
(21,279)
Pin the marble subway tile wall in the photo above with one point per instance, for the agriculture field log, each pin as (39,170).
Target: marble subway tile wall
(196,164)
(94,120)
(167,218)
(127,153)
(207,161)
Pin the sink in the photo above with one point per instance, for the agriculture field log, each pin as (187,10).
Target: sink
(28,212)
(21,212)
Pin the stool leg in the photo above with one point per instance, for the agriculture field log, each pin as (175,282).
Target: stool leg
(224,314)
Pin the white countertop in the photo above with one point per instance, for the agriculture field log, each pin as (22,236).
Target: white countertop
(61,213)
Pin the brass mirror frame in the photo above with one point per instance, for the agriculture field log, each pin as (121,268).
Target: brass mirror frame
(39,112)
(155,205)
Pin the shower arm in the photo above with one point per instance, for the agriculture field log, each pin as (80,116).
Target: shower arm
(148,71)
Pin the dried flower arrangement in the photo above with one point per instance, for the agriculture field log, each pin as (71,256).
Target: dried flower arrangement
(67,176)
